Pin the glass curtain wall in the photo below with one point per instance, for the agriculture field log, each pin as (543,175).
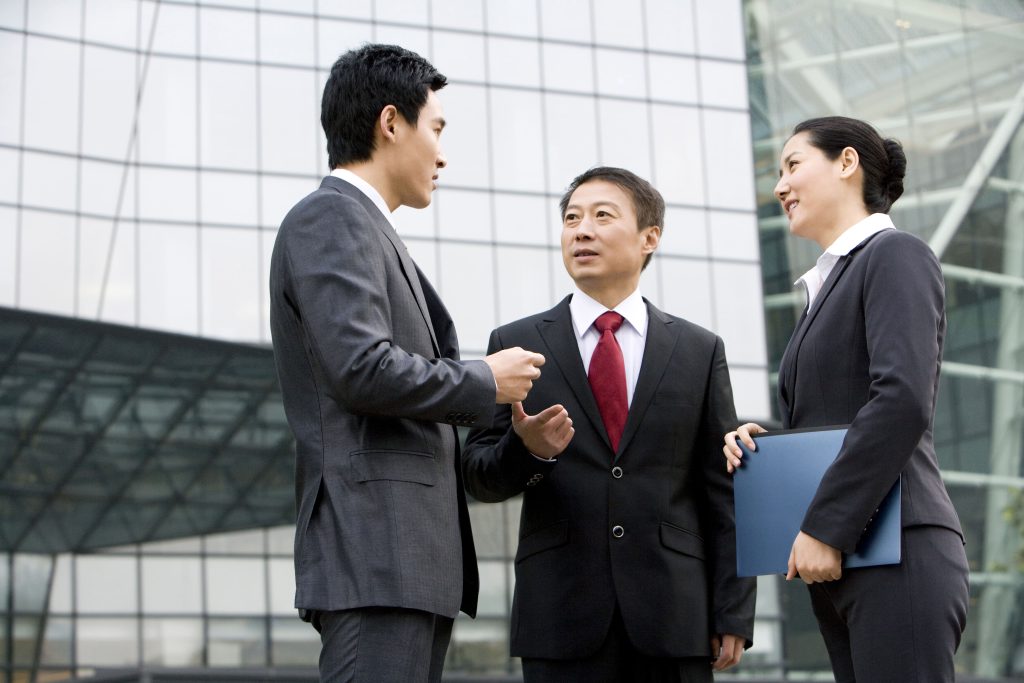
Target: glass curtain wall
(947,79)
(148,151)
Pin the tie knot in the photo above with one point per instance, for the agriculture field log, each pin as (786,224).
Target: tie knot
(608,321)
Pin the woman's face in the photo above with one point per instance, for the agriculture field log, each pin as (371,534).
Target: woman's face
(809,188)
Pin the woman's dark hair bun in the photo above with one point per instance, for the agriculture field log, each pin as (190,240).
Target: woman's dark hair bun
(897,169)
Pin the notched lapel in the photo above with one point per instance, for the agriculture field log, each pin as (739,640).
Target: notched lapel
(404,260)
(557,333)
(662,336)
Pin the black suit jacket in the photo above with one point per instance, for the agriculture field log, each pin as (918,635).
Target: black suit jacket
(368,364)
(867,354)
(672,572)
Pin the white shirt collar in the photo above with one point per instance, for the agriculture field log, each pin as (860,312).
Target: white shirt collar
(585,310)
(366,188)
(814,279)
(858,232)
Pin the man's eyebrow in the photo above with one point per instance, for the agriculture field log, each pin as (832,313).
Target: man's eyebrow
(600,202)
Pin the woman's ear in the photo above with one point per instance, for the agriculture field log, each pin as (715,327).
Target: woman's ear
(850,161)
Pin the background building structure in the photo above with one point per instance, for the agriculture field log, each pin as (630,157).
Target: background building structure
(149,149)
(946,79)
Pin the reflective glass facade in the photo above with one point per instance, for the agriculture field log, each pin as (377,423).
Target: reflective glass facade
(148,151)
(947,79)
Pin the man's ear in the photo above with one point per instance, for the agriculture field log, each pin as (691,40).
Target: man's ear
(652,238)
(850,162)
(386,122)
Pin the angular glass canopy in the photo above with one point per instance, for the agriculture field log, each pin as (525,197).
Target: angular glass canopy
(112,435)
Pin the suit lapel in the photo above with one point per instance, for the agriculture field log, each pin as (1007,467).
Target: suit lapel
(789,357)
(556,331)
(661,340)
(405,261)
(442,324)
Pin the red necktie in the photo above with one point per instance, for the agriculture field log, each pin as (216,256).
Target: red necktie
(607,375)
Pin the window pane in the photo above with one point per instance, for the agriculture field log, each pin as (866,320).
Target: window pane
(169,277)
(282,586)
(289,110)
(567,19)
(738,288)
(228,127)
(729,160)
(227,33)
(519,18)
(466,284)
(175,29)
(621,73)
(678,162)
(670,25)
(108,102)
(513,62)
(31,577)
(516,117)
(464,14)
(685,289)
(619,23)
(464,214)
(723,84)
(337,37)
(459,56)
(51,88)
(286,39)
(120,289)
(237,642)
(107,642)
(673,78)
(172,585)
(465,137)
(106,585)
(55,17)
(8,256)
(48,262)
(60,591)
(230,283)
(719,29)
(10,84)
(524,283)
(235,586)
(570,149)
(172,642)
(684,233)
(568,67)
(526,219)
(625,137)
(112,22)
(294,643)
(167,113)
(56,649)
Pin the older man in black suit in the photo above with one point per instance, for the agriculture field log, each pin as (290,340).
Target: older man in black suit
(626,567)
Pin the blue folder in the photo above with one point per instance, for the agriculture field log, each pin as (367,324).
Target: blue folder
(773,489)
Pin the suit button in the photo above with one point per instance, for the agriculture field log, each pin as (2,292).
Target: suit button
(618,531)
(617,472)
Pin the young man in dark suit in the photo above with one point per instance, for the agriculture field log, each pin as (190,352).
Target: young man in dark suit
(369,368)
(626,567)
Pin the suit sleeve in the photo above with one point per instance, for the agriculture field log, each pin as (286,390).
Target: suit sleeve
(495,463)
(903,304)
(338,288)
(732,597)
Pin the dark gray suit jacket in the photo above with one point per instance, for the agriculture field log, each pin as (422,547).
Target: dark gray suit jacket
(672,572)
(368,364)
(867,354)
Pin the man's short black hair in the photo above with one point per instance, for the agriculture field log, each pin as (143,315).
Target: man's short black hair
(364,81)
(648,203)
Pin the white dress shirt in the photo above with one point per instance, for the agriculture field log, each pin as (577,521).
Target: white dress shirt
(366,188)
(631,335)
(814,279)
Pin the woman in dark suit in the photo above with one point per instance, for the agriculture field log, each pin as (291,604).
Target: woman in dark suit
(866,352)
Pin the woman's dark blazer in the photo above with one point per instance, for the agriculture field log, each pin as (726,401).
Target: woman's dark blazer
(867,354)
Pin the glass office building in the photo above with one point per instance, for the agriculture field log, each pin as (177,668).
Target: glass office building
(148,151)
(150,148)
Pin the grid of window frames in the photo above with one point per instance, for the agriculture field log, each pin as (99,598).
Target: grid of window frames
(148,151)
